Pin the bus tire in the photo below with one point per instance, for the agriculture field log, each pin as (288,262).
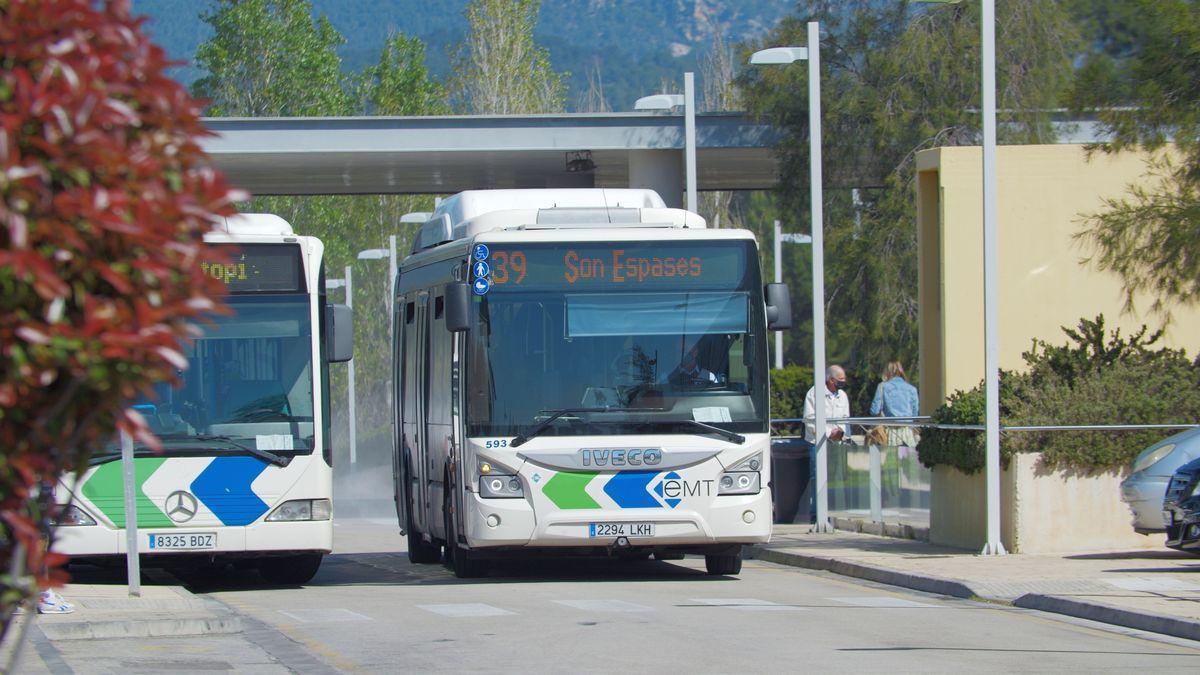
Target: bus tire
(290,570)
(460,560)
(420,552)
(724,564)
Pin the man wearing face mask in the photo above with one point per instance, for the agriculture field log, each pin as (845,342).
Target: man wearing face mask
(837,404)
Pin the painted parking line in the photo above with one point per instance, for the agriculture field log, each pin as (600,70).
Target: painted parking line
(465,609)
(323,615)
(748,604)
(880,602)
(605,605)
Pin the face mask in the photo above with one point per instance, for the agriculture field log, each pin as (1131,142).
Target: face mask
(839,384)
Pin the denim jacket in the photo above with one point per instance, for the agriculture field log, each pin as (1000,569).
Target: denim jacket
(895,398)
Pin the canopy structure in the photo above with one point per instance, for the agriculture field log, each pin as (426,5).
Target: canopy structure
(443,155)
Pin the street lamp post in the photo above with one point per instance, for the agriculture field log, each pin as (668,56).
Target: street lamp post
(779,56)
(991,340)
(688,101)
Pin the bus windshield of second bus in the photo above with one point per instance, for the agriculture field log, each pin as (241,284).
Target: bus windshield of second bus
(617,338)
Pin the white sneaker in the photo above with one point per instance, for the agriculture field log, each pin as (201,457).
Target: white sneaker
(50,602)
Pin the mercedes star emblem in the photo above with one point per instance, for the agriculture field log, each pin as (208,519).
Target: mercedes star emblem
(181,506)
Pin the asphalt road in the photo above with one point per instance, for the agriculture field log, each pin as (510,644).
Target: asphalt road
(369,610)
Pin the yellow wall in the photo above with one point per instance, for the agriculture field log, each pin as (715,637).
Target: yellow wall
(1044,192)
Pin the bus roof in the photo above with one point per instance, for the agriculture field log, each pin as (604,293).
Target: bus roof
(254,223)
(473,212)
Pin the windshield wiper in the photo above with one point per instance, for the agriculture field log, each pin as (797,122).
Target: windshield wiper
(231,444)
(557,413)
(710,428)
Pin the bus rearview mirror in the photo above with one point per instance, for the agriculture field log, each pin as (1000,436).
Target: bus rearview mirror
(458,307)
(779,306)
(339,322)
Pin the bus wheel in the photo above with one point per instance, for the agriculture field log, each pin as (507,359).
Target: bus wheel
(419,550)
(728,563)
(465,565)
(290,570)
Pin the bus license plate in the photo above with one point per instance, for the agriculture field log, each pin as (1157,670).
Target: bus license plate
(621,529)
(193,541)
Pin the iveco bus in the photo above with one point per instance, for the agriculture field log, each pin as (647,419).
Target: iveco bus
(246,469)
(581,372)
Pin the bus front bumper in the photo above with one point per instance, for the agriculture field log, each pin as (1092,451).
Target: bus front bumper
(258,538)
(729,519)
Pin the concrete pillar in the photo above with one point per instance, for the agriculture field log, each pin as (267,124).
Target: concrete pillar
(658,170)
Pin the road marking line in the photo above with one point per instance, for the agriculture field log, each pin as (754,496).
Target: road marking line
(466,609)
(880,602)
(749,604)
(323,615)
(605,605)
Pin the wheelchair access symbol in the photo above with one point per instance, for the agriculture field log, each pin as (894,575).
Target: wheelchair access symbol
(481,269)
(480,252)
(481,286)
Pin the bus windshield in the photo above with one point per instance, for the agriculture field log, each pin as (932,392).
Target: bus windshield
(632,337)
(249,382)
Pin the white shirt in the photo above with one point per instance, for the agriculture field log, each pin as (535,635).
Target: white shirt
(836,405)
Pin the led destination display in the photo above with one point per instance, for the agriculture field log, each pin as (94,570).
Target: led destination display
(259,268)
(619,265)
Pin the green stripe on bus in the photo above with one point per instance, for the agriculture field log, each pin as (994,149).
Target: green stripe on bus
(106,489)
(567,489)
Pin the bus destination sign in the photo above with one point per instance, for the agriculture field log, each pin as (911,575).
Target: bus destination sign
(619,265)
(259,268)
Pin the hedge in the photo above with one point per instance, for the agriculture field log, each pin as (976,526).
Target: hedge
(1094,379)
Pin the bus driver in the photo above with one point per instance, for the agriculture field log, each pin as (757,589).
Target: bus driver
(689,371)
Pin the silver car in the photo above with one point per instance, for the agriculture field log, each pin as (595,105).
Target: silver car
(1146,485)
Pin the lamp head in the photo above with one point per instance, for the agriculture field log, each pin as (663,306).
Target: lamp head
(778,55)
(658,102)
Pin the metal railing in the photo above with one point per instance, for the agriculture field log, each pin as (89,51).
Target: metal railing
(887,483)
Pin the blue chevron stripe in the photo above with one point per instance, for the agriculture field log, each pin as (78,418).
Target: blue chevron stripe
(224,487)
(629,489)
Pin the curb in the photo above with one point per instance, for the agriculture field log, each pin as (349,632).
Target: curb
(139,628)
(1096,611)
(1092,611)
(927,584)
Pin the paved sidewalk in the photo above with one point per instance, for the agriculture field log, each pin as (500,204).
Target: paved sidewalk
(1150,590)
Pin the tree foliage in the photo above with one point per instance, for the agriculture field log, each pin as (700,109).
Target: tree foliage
(1144,86)
(399,83)
(104,197)
(499,69)
(265,52)
(896,79)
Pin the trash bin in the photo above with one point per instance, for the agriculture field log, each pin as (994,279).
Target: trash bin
(790,475)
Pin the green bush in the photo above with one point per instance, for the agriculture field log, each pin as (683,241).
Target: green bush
(1094,379)
(788,388)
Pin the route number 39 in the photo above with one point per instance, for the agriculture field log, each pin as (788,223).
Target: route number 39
(499,443)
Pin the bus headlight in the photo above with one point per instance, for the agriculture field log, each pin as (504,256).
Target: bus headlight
(301,509)
(739,483)
(500,486)
(751,463)
(73,516)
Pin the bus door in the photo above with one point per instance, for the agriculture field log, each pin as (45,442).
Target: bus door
(421,505)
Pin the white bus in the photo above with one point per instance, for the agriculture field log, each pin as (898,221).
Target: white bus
(581,372)
(245,474)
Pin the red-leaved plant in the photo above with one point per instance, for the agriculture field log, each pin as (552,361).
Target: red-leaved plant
(104,197)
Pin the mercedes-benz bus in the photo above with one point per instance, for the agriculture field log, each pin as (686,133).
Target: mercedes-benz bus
(245,472)
(581,371)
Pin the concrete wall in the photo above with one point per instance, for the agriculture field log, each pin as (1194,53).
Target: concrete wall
(1044,193)
(1042,510)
